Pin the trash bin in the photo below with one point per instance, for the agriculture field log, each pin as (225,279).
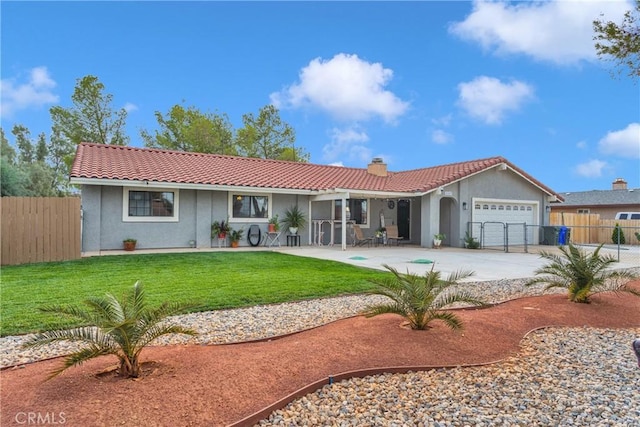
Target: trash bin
(555,235)
(549,235)
(562,236)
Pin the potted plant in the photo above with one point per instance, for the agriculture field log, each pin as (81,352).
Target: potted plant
(235,236)
(380,232)
(129,244)
(219,229)
(294,219)
(470,242)
(274,224)
(437,239)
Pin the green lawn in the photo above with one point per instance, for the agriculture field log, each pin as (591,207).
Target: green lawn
(213,280)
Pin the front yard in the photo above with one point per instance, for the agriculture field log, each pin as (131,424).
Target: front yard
(213,280)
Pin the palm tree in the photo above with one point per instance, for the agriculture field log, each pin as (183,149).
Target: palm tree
(420,299)
(582,274)
(119,327)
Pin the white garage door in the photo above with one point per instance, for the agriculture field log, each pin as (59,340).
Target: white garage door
(502,219)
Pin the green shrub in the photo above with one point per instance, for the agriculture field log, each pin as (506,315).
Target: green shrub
(121,327)
(582,273)
(421,299)
(618,235)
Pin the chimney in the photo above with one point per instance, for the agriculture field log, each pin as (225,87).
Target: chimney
(377,167)
(619,184)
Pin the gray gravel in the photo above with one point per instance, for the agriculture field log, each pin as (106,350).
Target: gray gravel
(562,377)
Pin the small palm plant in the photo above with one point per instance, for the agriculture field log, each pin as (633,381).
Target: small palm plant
(119,327)
(582,274)
(420,299)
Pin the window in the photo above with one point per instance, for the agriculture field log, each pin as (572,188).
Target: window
(143,205)
(356,211)
(245,206)
(583,211)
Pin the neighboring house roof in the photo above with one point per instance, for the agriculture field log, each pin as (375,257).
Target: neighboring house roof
(602,198)
(101,164)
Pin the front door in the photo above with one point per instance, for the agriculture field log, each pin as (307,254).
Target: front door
(404,211)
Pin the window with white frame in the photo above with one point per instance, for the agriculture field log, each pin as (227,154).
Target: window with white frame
(144,205)
(249,206)
(357,211)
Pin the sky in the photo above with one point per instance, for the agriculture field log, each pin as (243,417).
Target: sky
(418,84)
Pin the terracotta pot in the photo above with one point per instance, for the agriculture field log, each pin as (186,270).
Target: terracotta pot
(272,228)
(222,236)
(129,246)
(234,244)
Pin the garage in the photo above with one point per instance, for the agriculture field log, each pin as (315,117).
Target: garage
(496,220)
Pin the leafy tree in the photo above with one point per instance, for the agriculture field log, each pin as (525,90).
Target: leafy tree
(191,130)
(34,176)
(620,42)
(582,274)
(6,150)
(420,299)
(24,144)
(294,154)
(266,136)
(617,236)
(60,155)
(91,119)
(121,327)
(12,179)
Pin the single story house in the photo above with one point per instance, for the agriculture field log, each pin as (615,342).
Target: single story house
(606,203)
(169,199)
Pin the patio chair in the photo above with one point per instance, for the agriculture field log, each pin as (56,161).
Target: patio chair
(392,234)
(360,240)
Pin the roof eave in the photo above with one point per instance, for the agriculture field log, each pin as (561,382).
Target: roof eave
(185,186)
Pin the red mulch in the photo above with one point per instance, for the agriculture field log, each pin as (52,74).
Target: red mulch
(222,384)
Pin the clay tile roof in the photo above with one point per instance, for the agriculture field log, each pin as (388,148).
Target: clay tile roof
(97,161)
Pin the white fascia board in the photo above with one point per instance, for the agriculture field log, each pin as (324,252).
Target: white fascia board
(504,166)
(338,193)
(184,186)
(500,166)
(329,196)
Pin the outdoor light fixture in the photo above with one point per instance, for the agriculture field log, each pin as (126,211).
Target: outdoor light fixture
(464,206)
(548,208)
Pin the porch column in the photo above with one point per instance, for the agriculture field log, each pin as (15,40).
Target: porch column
(310,222)
(344,223)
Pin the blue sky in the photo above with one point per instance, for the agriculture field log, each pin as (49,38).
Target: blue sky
(416,83)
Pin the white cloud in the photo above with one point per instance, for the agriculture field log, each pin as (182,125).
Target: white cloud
(442,121)
(623,143)
(34,93)
(441,137)
(129,107)
(347,144)
(557,31)
(346,87)
(489,99)
(582,145)
(590,169)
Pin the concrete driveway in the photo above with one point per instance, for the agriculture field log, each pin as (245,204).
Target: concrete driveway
(487,264)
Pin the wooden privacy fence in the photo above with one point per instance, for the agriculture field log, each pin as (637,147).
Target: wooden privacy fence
(589,228)
(40,229)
